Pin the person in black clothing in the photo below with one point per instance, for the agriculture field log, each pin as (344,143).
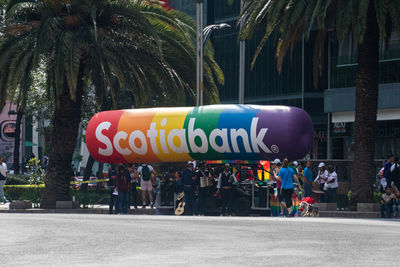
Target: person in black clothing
(395,173)
(167,188)
(189,182)
(201,178)
(226,180)
(123,184)
(178,182)
(113,193)
(134,184)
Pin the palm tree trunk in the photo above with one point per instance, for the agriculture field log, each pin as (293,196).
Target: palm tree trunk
(86,174)
(66,119)
(17,140)
(363,173)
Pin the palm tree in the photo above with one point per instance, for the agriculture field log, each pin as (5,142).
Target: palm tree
(368,21)
(104,43)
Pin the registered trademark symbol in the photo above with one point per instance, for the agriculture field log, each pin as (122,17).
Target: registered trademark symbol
(275,149)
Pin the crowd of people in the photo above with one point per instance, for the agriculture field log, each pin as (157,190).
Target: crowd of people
(123,182)
(194,181)
(289,175)
(191,181)
(389,177)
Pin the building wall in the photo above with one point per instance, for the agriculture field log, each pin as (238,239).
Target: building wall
(263,83)
(7,132)
(340,99)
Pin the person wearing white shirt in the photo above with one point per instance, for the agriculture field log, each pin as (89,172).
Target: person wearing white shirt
(331,184)
(322,175)
(226,180)
(3,177)
(147,174)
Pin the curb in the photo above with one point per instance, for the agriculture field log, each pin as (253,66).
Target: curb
(349,214)
(76,211)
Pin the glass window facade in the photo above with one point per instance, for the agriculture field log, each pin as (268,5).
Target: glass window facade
(227,55)
(387,140)
(344,62)
(223,11)
(185,6)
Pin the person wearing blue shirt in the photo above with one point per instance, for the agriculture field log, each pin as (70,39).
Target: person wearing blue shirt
(308,179)
(286,176)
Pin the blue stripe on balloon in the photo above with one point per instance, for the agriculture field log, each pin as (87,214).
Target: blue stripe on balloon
(239,116)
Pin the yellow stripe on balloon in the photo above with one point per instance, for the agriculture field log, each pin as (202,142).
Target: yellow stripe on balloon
(171,139)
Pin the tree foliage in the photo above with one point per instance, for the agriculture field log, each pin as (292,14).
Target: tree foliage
(94,50)
(290,19)
(116,44)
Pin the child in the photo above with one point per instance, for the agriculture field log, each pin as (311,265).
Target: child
(387,201)
(396,204)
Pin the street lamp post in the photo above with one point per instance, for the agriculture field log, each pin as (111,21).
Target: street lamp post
(199,52)
(202,35)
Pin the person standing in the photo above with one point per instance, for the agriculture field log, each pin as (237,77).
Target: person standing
(395,172)
(307,180)
(202,179)
(387,170)
(112,175)
(122,184)
(331,184)
(133,175)
(189,183)
(146,173)
(275,198)
(293,165)
(287,176)
(322,175)
(276,167)
(3,178)
(226,180)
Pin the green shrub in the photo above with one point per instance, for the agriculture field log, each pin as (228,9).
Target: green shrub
(377,197)
(24,193)
(91,197)
(17,179)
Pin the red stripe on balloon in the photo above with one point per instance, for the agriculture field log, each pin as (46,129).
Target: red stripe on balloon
(93,144)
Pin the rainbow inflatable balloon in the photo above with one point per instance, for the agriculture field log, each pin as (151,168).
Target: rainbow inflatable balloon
(218,132)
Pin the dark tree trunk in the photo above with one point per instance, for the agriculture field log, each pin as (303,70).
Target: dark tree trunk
(88,171)
(17,140)
(363,173)
(100,176)
(67,116)
(90,162)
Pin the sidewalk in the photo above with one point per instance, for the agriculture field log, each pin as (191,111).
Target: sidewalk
(92,209)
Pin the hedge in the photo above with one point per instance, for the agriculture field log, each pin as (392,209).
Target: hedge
(17,179)
(33,194)
(91,197)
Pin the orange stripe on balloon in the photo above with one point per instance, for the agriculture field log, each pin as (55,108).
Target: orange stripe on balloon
(133,120)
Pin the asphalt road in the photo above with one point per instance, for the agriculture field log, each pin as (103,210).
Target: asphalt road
(118,240)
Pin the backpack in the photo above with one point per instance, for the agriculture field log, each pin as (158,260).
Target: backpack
(145,173)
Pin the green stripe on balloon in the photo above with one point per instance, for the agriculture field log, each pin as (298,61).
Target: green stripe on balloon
(207,120)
